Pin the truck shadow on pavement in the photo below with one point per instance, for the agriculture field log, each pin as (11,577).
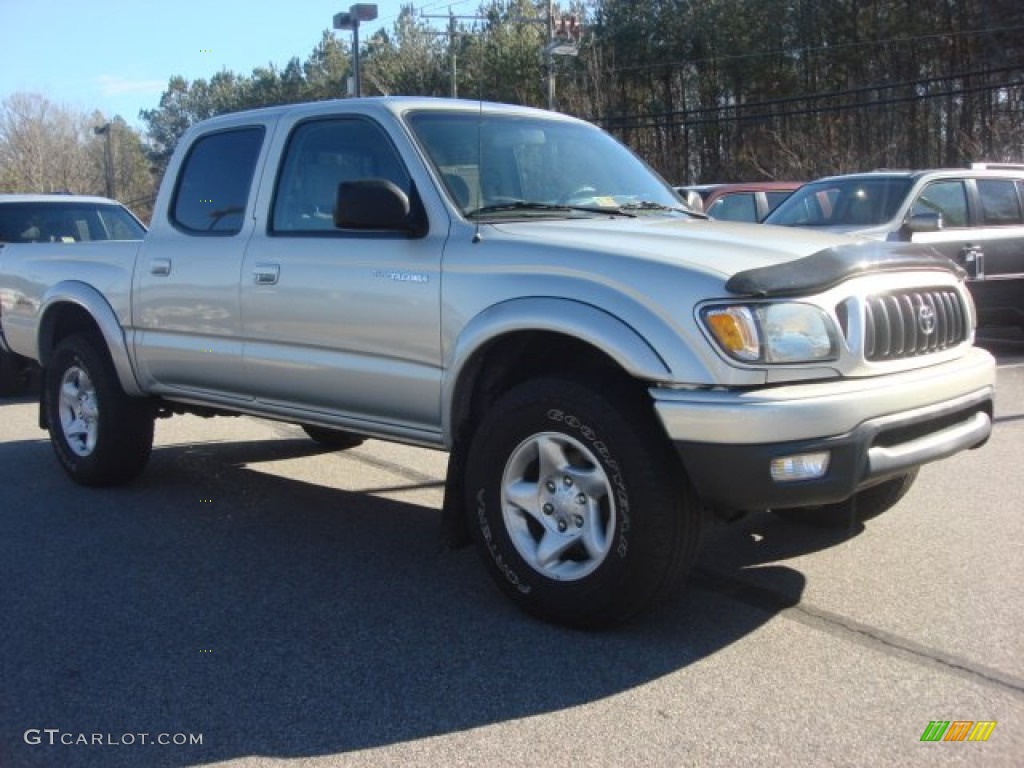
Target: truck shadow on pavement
(284,619)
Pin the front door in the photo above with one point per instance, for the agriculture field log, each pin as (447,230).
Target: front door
(342,324)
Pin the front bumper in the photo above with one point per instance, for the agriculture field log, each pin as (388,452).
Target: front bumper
(872,428)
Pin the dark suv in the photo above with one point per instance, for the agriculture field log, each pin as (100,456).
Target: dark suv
(974,216)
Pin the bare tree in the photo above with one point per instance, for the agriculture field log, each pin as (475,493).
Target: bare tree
(46,147)
(43,147)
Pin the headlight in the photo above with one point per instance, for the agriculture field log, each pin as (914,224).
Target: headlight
(773,333)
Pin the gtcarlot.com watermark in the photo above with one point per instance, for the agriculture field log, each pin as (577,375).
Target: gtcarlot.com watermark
(56,736)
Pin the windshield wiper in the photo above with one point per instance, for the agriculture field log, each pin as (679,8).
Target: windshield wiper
(650,205)
(526,205)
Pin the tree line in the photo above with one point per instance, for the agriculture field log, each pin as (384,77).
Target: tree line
(47,147)
(704,90)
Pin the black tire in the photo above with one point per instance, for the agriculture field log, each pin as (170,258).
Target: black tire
(337,439)
(640,526)
(13,376)
(101,435)
(869,503)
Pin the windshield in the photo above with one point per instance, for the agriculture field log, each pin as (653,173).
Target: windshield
(853,202)
(497,166)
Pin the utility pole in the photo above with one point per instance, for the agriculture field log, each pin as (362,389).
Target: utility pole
(453,51)
(561,41)
(549,57)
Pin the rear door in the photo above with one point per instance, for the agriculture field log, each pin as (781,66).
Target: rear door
(186,295)
(999,235)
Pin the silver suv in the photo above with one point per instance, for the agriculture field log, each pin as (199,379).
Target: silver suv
(974,216)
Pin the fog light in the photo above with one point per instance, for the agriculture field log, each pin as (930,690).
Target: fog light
(802,466)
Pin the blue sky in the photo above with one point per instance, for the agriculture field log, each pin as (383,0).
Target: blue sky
(117,55)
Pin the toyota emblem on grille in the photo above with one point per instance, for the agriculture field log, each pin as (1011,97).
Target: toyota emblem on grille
(926,319)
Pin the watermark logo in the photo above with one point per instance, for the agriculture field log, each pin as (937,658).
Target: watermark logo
(55,736)
(958,730)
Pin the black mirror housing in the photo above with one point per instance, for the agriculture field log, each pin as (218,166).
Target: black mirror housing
(374,204)
(923,222)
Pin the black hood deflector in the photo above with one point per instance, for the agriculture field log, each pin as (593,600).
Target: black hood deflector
(825,269)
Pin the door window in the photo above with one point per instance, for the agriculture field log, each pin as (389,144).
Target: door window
(946,198)
(1000,205)
(736,207)
(214,182)
(322,154)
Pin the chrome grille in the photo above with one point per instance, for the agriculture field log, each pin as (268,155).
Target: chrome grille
(910,323)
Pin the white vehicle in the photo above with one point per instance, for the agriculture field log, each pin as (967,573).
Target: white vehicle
(56,219)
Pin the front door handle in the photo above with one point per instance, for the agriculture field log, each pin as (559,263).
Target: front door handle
(973,259)
(160,267)
(266,274)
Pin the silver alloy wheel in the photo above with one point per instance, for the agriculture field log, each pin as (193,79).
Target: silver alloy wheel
(79,414)
(558,506)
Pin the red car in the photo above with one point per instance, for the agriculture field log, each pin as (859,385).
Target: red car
(750,201)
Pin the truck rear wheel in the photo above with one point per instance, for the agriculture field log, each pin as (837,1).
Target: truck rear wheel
(13,380)
(869,503)
(577,510)
(100,435)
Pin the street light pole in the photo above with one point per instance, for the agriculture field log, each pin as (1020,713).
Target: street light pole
(108,157)
(357,13)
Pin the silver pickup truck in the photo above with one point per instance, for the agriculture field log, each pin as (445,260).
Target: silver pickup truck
(606,368)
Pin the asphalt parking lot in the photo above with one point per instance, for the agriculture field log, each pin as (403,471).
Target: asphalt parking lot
(292,606)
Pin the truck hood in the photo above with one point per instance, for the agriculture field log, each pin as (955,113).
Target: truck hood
(715,248)
(751,259)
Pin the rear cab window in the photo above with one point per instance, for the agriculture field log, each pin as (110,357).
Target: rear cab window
(215,180)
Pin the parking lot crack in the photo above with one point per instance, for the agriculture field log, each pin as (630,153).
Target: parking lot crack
(843,626)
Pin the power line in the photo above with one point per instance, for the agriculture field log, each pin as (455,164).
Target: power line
(646,121)
(916,83)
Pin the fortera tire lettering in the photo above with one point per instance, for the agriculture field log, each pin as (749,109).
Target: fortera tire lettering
(485,530)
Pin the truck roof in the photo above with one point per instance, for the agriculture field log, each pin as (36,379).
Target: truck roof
(394,104)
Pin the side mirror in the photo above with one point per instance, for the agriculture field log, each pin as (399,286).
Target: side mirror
(923,222)
(374,204)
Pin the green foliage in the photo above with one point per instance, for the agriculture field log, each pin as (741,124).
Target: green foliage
(321,76)
(413,60)
(704,90)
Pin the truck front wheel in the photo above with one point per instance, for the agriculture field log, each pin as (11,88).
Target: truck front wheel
(101,435)
(577,510)
(869,503)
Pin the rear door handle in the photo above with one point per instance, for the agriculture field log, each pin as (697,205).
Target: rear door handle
(266,274)
(161,267)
